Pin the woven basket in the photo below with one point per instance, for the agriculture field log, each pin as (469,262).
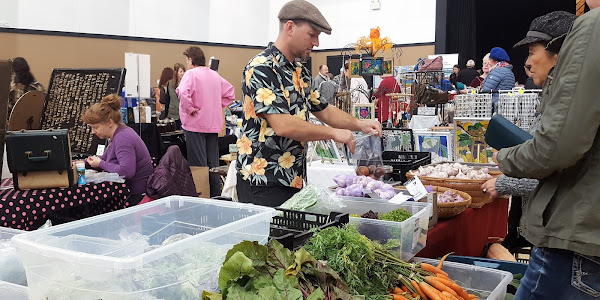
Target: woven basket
(469,186)
(449,210)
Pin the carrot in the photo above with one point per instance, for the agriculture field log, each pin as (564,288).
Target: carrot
(442,296)
(439,285)
(429,291)
(432,269)
(398,297)
(471,296)
(397,290)
(405,289)
(416,286)
(449,296)
(441,263)
(451,284)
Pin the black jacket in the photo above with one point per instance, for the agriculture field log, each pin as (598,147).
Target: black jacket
(466,75)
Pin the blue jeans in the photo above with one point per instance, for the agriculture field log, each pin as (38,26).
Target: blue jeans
(560,274)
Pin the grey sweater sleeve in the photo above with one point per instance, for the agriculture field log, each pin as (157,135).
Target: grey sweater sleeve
(514,186)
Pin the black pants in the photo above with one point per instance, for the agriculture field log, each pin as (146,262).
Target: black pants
(203,151)
(271,196)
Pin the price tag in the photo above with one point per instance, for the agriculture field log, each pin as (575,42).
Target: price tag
(415,188)
(473,91)
(100,150)
(510,94)
(521,91)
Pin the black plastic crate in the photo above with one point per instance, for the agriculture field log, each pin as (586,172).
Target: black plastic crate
(292,228)
(403,162)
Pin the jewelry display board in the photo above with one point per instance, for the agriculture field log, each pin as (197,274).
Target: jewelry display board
(72,92)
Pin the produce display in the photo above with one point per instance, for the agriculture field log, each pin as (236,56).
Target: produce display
(452,170)
(368,269)
(350,185)
(253,271)
(449,197)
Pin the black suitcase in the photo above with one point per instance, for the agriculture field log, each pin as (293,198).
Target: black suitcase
(40,159)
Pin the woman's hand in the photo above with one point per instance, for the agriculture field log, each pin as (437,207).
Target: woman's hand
(489,187)
(94,161)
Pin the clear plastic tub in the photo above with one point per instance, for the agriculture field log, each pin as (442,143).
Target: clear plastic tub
(485,283)
(406,238)
(10,291)
(13,282)
(171,248)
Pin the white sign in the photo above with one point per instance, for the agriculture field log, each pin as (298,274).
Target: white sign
(415,188)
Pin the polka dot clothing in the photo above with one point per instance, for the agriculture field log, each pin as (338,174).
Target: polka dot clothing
(29,209)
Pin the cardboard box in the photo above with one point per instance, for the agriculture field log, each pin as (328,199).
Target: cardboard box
(200,175)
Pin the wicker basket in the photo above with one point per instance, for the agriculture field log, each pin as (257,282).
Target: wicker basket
(469,186)
(449,210)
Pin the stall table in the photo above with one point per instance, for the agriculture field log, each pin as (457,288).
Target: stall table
(29,209)
(467,233)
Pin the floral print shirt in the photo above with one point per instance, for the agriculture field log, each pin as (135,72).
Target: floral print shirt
(273,85)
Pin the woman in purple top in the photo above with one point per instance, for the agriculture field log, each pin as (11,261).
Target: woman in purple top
(126,154)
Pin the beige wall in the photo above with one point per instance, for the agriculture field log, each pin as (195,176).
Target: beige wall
(45,52)
(409,56)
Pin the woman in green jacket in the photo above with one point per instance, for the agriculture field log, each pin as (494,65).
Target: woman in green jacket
(562,217)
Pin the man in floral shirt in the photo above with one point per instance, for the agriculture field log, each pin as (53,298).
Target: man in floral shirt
(278,97)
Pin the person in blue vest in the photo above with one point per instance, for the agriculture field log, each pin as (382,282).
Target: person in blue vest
(501,76)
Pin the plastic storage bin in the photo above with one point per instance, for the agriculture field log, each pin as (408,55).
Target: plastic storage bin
(292,227)
(405,239)
(13,283)
(10,291)
(404,161)
(171,248)
(485,283)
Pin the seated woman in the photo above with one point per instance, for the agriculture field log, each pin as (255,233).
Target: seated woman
(126,154)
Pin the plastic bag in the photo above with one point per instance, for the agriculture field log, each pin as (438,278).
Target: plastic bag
(102,177)
(11,267)
(315,199)
(368,150)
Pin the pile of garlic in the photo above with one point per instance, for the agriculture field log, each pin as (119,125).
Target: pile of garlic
(455,170)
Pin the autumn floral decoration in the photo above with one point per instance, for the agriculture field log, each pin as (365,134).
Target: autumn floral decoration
(373,43)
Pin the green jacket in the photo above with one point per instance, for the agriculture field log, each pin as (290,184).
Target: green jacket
(564,211)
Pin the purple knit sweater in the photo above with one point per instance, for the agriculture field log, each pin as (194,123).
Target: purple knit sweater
(128,156)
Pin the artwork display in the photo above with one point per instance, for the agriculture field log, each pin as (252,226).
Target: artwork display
(388,67)
(372,66)
(470,141)
(439,143)
(73,91)
(354,67)
(398,140)
(364,111)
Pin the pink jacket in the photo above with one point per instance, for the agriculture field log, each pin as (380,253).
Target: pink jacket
(205,91)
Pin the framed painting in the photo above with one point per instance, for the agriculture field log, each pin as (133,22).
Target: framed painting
(371,66)
(364,111)
(470,140)
(439,143)
(324,151)
(397,139)
(354,66)
(388,67)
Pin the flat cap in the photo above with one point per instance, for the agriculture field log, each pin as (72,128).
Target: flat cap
(550,29)
(305,11)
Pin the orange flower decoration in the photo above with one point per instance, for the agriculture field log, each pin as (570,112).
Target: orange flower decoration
(297,182)
(374,33)
(248,75)
(249,111)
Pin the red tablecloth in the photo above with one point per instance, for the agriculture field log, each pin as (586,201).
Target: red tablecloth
(467,233)
(29,209)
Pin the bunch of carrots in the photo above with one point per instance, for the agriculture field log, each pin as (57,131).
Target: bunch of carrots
(424,281)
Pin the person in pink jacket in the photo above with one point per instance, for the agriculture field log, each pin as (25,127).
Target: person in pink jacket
(202,95)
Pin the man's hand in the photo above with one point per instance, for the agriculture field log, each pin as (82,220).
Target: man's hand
(345,136)
(94,161)
(489,187)
(370,127)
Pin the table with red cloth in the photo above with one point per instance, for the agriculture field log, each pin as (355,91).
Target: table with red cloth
(467,233)
(29,209)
